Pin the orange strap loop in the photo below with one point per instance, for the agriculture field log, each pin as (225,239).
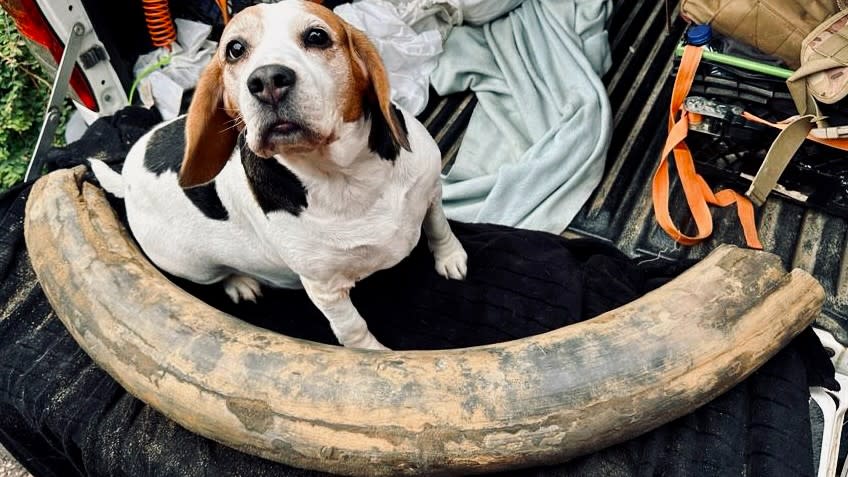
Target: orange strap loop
(698,193)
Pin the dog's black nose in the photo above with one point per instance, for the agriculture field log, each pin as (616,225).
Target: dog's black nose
(270,83)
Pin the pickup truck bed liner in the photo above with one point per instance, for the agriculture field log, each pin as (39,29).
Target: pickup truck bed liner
(620,210)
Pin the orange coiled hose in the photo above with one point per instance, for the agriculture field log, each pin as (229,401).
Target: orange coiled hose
(159,23)
(225,14)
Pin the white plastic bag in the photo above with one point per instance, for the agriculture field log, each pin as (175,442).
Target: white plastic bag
(409,57)
(190,53)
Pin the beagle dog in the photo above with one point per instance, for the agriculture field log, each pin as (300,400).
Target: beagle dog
(291,169)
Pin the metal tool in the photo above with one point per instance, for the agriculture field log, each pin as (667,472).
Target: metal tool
(57,94)
(710,117)
(833,405)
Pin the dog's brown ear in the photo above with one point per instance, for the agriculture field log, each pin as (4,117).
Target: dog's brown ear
(210,135)
(372,74)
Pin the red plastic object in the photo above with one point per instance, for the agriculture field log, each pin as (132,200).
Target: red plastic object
(32,24)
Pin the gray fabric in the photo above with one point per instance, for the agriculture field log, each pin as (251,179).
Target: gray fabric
(536,144)
(443,15)
(476,12)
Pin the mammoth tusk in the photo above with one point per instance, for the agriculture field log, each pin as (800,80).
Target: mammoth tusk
(537,400)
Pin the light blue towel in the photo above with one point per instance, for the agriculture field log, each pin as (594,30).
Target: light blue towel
(537,140)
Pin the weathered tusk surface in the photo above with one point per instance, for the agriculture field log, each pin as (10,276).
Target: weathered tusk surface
(538,400)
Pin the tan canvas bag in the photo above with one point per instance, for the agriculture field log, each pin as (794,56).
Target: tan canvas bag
(776,27)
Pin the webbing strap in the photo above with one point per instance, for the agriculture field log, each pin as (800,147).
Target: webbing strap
(805,103)
(839,143)
(696,190)
(777,158)
(794,131)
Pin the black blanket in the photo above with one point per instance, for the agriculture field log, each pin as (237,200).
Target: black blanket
(60,415)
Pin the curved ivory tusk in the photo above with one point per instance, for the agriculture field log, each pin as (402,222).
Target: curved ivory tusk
(538,400)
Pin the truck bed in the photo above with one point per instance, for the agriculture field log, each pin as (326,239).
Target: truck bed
(620,210)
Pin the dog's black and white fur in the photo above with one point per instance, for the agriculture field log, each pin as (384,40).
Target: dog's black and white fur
(292,168)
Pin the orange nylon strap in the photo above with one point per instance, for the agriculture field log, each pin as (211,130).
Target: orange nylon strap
(696,190)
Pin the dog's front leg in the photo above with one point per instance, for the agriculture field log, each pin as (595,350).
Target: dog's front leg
(333,299)
(451,259)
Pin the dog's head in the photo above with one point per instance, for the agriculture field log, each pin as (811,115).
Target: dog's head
(287,75)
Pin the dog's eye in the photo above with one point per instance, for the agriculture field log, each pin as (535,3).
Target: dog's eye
(235,49)
(316,37)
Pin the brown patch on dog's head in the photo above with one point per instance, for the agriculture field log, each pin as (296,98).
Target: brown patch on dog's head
(214,120)
(210,133)
(368,84)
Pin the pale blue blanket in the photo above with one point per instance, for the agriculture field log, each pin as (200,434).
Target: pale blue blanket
(536,144)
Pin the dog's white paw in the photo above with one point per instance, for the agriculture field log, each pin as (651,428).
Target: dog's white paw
(451,260)
(240,287)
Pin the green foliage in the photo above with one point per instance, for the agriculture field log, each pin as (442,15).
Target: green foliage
(24,91)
